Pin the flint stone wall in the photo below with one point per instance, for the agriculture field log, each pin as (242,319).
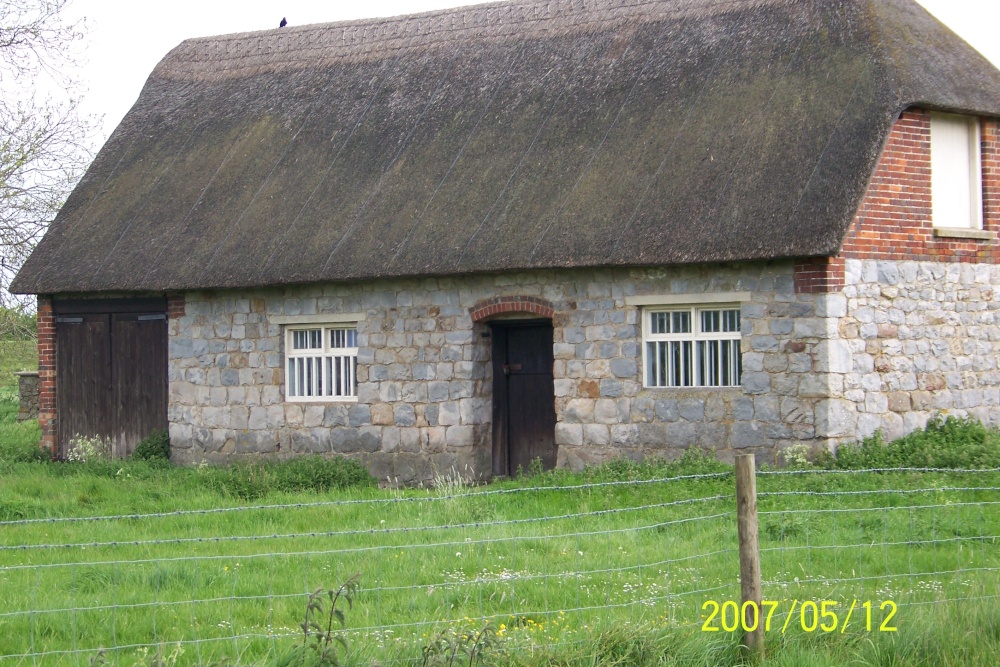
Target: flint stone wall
(28,393)
(923,338)
(424,372)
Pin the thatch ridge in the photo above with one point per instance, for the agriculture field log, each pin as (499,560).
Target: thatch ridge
(249,53)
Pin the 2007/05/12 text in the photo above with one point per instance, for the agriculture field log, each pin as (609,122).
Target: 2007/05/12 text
(823,616)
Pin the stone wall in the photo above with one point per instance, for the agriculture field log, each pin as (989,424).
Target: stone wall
(923,339)
(28,392)
(424,371)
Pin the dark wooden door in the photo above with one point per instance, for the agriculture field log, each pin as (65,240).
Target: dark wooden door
(83,376)
(139,378)
(111,371)
(523,397)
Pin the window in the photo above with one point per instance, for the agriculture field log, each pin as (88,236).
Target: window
(956,172)
(692,347)
(321,363)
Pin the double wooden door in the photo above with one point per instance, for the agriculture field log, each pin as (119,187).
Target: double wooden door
(524,416)
(111,370)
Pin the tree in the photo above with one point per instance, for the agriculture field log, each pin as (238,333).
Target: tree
(44,145)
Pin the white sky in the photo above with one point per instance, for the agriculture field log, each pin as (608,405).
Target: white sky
(126,38)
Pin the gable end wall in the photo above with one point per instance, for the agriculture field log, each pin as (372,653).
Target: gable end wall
(922,320)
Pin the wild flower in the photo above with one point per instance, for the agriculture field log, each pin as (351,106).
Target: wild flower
(83,448)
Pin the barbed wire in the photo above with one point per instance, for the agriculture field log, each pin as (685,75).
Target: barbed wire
(663,574)
(431,497)
(841,510)
(858,471)
(368,549)
(869,492)
(366,531)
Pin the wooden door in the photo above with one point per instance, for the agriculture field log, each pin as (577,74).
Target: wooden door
(83,376)
(139,378)
(111,370)
(524,416)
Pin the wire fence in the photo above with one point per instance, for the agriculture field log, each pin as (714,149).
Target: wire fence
(543,565)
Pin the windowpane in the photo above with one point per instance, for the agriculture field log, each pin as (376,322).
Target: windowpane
(343,338)
(307,339)
(682,322)
(709,321)
(659,323)
(731,320)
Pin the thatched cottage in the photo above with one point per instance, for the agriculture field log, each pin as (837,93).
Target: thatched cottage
(568,230)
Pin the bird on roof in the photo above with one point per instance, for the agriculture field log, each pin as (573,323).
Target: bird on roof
(283,23)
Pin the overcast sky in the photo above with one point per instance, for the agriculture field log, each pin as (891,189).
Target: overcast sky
(126,38)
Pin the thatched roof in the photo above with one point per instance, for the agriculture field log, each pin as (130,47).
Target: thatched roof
(545,133)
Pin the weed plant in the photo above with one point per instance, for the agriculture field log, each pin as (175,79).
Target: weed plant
(252,479)
(946,442)
(155,446)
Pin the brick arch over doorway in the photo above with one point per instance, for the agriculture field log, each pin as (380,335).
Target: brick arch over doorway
(502,305)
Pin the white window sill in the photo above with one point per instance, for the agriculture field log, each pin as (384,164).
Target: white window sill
(708,388)
(321,401)
(964,233)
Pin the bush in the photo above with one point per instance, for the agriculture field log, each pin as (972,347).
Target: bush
(315,473)
(251,479)
(154,447)
(950,442)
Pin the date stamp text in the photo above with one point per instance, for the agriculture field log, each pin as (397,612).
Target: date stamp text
(808,615)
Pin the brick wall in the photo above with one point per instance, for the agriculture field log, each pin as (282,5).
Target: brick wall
(991,174)
(47,373)
(894,221)
(175,306)
(819,274)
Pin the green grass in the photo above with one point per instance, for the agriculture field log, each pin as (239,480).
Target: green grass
(18,440)
(599,587)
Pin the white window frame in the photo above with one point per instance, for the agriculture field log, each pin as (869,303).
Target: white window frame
(956,172)
(693,348)
(326,373)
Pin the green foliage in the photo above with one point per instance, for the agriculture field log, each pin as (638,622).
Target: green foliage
(251,479)
(450,648)
(322,645)
(18,324)
(155,446)
(16,354)
(693,462)
(950,442)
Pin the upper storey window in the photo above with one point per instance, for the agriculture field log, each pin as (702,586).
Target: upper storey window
(956,172)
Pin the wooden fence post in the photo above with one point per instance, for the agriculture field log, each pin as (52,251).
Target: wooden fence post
(746,522)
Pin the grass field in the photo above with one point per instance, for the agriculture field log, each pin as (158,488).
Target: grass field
(611,574)
(140,563)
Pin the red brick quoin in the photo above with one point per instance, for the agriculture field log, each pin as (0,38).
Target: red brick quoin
(47,373)
(175,306)
(819,274)
(500,305)
(894,219)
